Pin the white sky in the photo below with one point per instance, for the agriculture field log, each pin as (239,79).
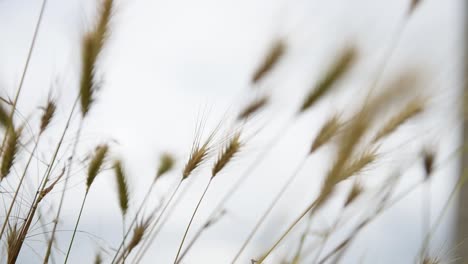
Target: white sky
(168,60)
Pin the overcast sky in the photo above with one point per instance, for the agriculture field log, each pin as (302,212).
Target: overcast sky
(168,61)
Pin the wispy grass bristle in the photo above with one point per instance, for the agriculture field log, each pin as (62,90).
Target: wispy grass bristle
(122,186)
(49,111)
(340,66)
(327,132)
(10,152)
(96,164)
(409,111)
(166,163)
(272,58)
(227,154)
(253,107)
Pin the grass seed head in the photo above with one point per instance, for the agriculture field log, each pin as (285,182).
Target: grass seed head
(412,109)
(327,132)
(428,160)
(356,190)
(91,48)
(10,152)
(227,154)
(96,164)
(122,186)
(272,58)
(48,114)
(340,66)
(253,107)
(166,163)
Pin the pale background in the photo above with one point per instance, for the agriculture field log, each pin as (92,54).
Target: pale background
(168,61)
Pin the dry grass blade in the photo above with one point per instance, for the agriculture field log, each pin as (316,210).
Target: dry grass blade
(272,58)
(329,129)
(122,186)
(409,111)
(9,155)
(166,163)
(341,65)
(227,154)
(92,46)
(48,114)
(96,164)
(253,107)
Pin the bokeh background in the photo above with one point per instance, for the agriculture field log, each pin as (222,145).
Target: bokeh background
(168,64)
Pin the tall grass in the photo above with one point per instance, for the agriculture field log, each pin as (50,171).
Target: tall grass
(354,139)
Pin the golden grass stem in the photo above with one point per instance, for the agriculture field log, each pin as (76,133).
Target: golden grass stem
(273,203)
(191,220)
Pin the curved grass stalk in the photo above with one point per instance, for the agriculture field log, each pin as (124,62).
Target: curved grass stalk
(191,219)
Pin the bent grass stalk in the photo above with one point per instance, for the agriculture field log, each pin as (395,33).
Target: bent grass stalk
(191,219)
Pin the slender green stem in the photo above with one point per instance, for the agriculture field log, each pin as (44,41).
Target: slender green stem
(191,220)
(273,203)
(76,226)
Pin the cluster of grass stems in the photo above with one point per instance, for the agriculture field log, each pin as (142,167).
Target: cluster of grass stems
(356,140)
